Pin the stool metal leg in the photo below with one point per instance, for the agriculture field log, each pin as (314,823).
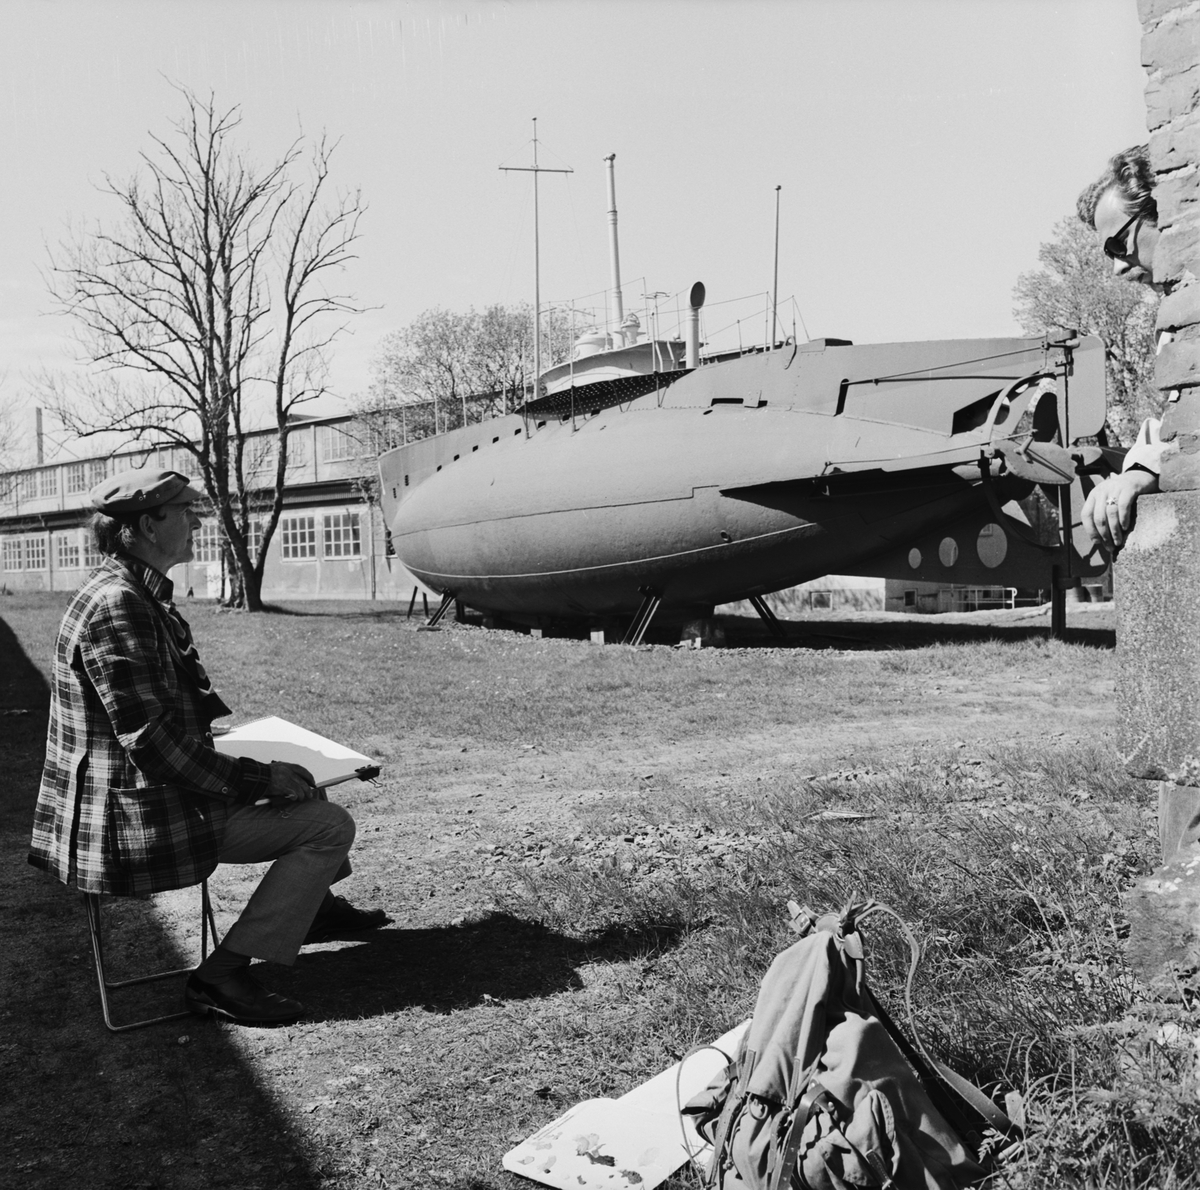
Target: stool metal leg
(207,923)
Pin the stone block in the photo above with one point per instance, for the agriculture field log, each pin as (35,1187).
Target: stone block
(1177,255)
(1180,465)
(1180,309)
(1157,597)
(1174,43)
(1175,147)
(1150,12)
(1163,910)
(1170,96)
(1178,365)
(1177,194)
(1180,417)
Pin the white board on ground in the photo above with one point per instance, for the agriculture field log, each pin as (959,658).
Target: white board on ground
(276,739)
(635,1141)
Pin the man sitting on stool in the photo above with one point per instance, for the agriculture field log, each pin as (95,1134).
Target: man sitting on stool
(135,799)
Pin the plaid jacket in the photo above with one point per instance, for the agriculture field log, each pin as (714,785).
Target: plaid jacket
(133,797)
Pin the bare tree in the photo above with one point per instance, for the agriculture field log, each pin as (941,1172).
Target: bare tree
(204,314)
(13,442)
(1075,289)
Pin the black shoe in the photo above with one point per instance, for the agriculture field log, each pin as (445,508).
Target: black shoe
(240,999)
(338,917)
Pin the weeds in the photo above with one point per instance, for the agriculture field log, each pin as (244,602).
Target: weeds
(1010,864)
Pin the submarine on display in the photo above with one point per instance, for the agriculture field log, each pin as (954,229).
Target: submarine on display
(642,480)
(697,483)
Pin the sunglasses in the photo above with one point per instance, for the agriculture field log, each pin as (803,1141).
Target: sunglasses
(1115,246)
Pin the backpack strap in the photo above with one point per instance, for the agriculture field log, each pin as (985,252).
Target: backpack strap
(729,1115)
(679,1100)
(787,1154)
(926,1064)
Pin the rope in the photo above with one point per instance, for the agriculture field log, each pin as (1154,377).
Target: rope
(679,1094)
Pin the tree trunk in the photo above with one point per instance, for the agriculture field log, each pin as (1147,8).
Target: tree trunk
(252,592)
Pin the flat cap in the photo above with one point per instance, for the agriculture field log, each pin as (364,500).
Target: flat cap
(142,489)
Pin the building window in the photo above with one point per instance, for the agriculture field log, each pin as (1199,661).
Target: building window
(337,445)
(254,539)
(12,553)
(48,481)
(66,551)
(91,555)
(299,454)
(821,600)
(35,553)
(260,457)
(208,543)
(910,599)
(97,470)
(76,479)
(27,485)
(298,536)
(342,536)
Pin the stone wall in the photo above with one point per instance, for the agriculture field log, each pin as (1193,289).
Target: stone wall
(1171,56)
(1157,575)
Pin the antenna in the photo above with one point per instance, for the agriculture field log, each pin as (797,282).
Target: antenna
(775,290)
(536,169)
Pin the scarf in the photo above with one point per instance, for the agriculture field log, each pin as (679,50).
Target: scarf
(181,641)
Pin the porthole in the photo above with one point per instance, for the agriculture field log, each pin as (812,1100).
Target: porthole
(991,545)
(948,551)
(914,558)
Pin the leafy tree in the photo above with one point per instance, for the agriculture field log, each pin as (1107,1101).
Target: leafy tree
(205,311)
(445,370)
(1075,289)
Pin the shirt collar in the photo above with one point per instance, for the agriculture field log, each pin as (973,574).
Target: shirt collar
(153,580)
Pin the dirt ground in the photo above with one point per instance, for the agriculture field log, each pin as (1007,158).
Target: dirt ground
(459,1013)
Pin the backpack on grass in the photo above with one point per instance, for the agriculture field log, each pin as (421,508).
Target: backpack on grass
(825,1093)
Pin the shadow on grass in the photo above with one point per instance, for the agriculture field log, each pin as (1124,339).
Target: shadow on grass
(911,633)
(345,609)
(173,1106)
(454,967)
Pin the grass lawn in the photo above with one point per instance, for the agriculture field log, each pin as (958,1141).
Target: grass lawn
(588,851)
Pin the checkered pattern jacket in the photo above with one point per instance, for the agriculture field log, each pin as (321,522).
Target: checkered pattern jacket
(133,798)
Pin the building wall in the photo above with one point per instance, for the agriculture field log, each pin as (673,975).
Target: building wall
(914,598)
(833,592)
(330,542)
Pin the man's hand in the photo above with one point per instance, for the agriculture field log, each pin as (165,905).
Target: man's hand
(291,783)
(1108,511)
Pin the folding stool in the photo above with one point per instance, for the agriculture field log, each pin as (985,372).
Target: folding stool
(207,923)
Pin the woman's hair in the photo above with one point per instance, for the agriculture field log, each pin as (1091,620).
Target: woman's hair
(114,532)
(1129,171)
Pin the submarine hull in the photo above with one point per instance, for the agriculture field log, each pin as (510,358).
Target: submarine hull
(738,479)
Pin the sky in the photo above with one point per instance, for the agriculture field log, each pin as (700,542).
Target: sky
(924,149)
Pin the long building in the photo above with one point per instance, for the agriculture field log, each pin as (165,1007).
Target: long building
(330,542)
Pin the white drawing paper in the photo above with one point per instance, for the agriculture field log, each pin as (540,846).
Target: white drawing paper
(276,739)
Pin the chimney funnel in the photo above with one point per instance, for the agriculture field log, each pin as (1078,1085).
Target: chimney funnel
(614,253)
(695,301)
